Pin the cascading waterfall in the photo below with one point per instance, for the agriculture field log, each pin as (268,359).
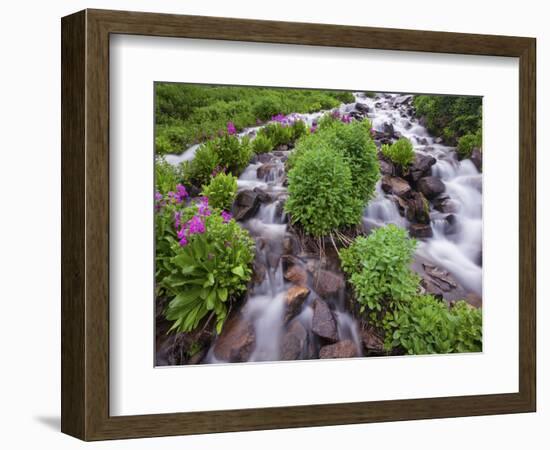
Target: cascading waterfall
(455,247)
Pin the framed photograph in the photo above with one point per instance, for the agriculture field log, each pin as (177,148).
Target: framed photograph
(273,225)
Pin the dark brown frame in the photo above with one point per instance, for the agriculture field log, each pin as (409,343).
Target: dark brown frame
(85,224)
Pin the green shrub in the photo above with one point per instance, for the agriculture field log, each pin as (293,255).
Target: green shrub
(221,191)
(199,170)
(321,192)
(277,133)
(427,325)
(378,268)
(299,129)
(401,152)
(203,263)
(226,151)
(166,176)
(262,144)
(266,108)
(353,141)
(467,143)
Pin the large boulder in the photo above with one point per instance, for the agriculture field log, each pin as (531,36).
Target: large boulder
(236,341)
(395,185)
(389,131)
(362,107)
(268,171)
(342,349)
(246,204)
(263,196)
(323,323)
(445,204)
(437,281)
(386,167)
(327,283)
(295,297)
(293,341)
(431,187)
(421,167)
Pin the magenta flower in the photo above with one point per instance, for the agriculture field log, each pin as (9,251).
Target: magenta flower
(346,118)
(177,220)
(182,232)
(372,132)
(226,216)
(181,192)
(183,241)
(196,225)
(231,128)
(158,196)
(313,128)
(204,210)
(335,114)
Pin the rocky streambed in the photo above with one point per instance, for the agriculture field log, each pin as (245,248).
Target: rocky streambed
(298,304)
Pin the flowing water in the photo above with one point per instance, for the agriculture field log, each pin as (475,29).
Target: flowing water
(456,249)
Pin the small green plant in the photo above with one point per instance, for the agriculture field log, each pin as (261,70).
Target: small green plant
(378,268)
(203,263)
(426,325)
(321,192)
(267,107)
(277,133)
(221,191)
(401,152)
(166,175)
(233,153)
(262,144)
(199,170)
(467,143)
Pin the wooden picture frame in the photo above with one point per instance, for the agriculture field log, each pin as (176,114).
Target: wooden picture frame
(85,224)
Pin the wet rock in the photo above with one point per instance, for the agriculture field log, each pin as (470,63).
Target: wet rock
(288,261)
(293,341)
(327,283)
(263,196)
(388,129)
(386,167)
(444,205)
(296,275)
(362,107)
(422,141)
(373,343)
(450,224)
(291,244)
(342,349)
(280,210)
(395,185)
(323,323)
(237,340)
(259,271)
(417,209)
(477,158)
(431,187)
(246,204)
(421,167)
(438,140)
(265,170)
(264,158)
(420,230)
(295,298)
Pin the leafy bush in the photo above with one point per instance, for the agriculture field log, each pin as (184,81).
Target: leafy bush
(221,191)
(426,325)
(226,152)
(262,144)
(467,143)
(378,267)
(401,152)
(321,192)
(166,176)
(266,108)
(353,141)
(203,263)
(277,133)
(450,117)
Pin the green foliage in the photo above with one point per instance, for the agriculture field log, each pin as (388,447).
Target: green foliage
(450,117)
(426,325)
(221,191)
(277,134)
(262,144)
(467,143)
(353,141)
(401,152)
(226,151)
(204,276)
(186,114)
(167,176)
(321,192)
(378,267)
